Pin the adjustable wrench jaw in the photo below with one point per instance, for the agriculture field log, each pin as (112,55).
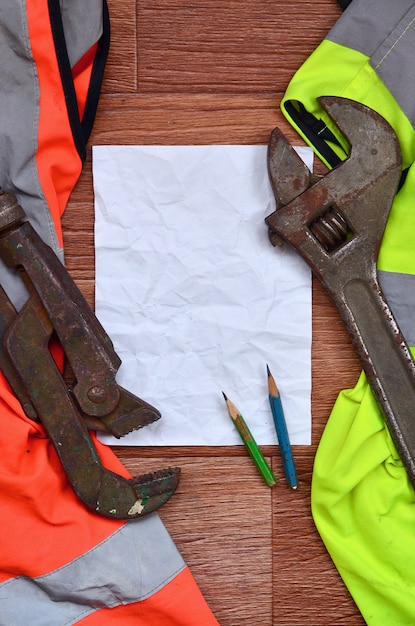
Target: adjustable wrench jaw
(347,209)
(337,225)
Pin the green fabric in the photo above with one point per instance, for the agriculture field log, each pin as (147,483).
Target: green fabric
(363,503)
(335,70)
(397,253)
(364,508)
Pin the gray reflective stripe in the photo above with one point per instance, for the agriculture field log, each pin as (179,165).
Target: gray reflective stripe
(131,565)
(19,113)
(399,291)
(383,30)
(82,25)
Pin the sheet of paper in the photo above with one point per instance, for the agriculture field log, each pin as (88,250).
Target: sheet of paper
(193,295)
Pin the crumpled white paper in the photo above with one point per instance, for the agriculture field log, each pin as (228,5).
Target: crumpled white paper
(193,295)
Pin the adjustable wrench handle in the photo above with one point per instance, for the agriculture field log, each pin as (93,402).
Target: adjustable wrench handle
(386,360)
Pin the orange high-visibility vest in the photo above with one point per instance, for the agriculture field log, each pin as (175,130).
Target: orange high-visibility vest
(61,564)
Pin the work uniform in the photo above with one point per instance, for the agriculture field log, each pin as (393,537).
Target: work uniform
(61,564)
(363,503)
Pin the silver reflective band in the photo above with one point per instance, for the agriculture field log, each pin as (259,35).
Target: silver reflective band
(82,25)
(399,291)
(384,31)
(19,106)
(129,566)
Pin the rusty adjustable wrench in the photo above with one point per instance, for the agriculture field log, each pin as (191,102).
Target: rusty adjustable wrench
(337,225)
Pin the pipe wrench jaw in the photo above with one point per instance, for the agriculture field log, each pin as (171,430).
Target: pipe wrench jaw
(56,312)
(337,224)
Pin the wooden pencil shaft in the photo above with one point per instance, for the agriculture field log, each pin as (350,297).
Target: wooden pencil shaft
(283,440)
(279,420)
(282,432)
(250,442)
(251,445)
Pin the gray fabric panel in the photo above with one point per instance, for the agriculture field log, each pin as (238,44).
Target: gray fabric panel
(365,24)
(82,25)
(19,112)
(131,565)
(384,31)
(399,291)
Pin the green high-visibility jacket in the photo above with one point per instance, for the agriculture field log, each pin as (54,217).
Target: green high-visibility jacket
(363,503)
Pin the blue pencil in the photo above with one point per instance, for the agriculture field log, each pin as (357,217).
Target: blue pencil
(282,432)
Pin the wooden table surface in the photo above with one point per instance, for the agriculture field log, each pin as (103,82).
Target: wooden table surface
(214,71)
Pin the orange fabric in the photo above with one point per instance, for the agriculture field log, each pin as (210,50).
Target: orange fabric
(58,161)
(41,508)
(46,519)
(179,603)
(35,494)
(50,526)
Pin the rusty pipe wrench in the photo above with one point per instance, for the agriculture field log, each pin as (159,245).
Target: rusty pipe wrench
(337,225)
(56,312)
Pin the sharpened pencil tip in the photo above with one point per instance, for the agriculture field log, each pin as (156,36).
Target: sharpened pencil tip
(272,385)
(225,396)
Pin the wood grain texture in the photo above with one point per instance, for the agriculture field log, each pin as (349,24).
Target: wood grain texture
(213,72)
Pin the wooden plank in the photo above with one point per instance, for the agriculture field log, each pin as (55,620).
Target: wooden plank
(121,74)
(307,588)
(220,519)
(233,46)
(214,72)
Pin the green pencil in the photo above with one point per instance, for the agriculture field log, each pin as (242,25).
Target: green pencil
(250,444)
